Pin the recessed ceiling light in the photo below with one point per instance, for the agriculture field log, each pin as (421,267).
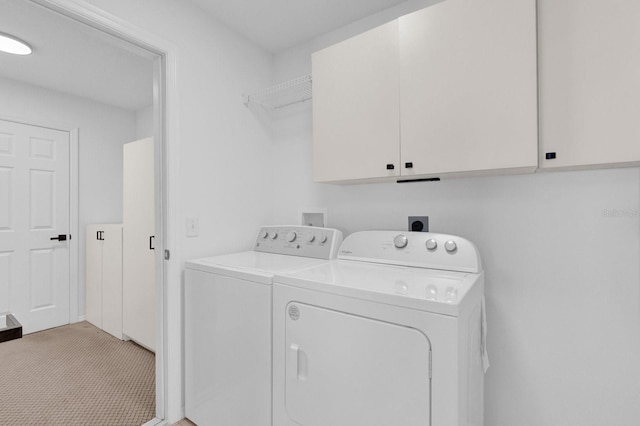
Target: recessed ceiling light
(10,44)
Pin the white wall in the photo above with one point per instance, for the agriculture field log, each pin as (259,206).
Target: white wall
(144,122)
(563,277)
(102,131)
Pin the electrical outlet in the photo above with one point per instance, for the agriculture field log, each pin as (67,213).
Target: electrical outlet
(418,223)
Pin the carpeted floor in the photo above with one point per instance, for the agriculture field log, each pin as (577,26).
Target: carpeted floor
(75,375)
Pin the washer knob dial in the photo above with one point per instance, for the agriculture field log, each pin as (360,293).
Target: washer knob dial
(311,238)
(450,246)
(431,244)
(274,235)
(264,235)
(291,236)
(400,241)
(323,239)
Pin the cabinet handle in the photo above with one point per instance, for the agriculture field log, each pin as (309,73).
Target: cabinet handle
(99,236)
(390,167)
(408,165)
(550,155)
(151,238)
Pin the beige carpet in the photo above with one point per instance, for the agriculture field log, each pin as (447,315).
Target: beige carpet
(75,375)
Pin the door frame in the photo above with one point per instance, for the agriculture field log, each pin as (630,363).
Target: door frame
(169,407)
(73,204)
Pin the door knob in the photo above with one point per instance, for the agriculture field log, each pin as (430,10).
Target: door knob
(61,237)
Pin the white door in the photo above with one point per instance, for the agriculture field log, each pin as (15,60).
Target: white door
(138,245)
(344,370)
(34,207)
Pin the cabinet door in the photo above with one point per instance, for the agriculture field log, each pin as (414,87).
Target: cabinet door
(93,275)
(112,280)
(138,292)
(468,94)
(355,107)
(589,82)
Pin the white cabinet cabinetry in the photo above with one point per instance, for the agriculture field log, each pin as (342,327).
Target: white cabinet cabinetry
(356,107)
(104,277)
(139,293)
(448,90)
(468,88)
(589,83)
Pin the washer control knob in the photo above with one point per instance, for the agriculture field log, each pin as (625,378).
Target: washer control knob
(311,238)
(264,235)
(431,244)
(400,241)
(323,239)
(274,235)
(291,236)
(450,246)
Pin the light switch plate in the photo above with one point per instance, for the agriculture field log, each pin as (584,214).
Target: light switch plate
(193,227)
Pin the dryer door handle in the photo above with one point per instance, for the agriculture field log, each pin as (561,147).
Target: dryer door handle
(298,363)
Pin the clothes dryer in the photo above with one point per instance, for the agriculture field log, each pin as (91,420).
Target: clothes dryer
(391,333)
(228,323)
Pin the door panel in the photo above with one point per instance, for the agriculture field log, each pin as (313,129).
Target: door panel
(138,262)
(343,369)
(34,190)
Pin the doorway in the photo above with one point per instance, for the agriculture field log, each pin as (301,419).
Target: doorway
(134,41)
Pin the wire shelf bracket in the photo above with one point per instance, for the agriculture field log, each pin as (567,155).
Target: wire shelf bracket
(282,95)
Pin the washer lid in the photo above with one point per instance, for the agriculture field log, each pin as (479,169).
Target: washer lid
(251,265)
(444,292)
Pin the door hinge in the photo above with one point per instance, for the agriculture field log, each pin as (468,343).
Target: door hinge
(167,255)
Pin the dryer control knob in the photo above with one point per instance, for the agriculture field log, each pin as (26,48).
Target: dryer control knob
(311,238)
(291,236)
(274,235)
(450,246)
(264,235)
(431,244)
(400,241)
(323,239)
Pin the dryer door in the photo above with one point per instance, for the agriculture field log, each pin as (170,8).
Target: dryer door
(344,369)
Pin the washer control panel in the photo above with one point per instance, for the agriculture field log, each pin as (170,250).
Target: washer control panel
(418,249)
(298,240)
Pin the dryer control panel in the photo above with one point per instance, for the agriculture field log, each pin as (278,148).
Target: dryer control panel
(298,240)
(418,249)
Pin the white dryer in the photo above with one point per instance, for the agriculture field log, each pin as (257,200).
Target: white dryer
(390,334)
(228,323)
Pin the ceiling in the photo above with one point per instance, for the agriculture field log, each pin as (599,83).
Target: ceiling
(74,58)
(278,24)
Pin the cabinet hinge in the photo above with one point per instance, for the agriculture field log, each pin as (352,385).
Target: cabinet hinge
(167,255)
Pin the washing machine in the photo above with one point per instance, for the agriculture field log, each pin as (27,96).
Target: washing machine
(389,334)
(228,331)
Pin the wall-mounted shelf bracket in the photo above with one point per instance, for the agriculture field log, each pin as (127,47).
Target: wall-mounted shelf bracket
(281,95)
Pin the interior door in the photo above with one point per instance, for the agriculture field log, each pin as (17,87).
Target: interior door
(34,208)
(344,370)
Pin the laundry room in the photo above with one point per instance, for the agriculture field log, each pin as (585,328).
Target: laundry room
(559,244)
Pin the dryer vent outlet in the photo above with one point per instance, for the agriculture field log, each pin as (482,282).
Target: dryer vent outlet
(418,223)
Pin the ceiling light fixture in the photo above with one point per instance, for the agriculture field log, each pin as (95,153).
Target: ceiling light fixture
(15,46)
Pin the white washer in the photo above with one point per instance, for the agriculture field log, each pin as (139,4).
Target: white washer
(391,333)
(228,323)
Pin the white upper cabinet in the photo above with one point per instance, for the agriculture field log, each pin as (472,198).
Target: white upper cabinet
(468,88)
(448,90)
(589,83)
(356,131)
